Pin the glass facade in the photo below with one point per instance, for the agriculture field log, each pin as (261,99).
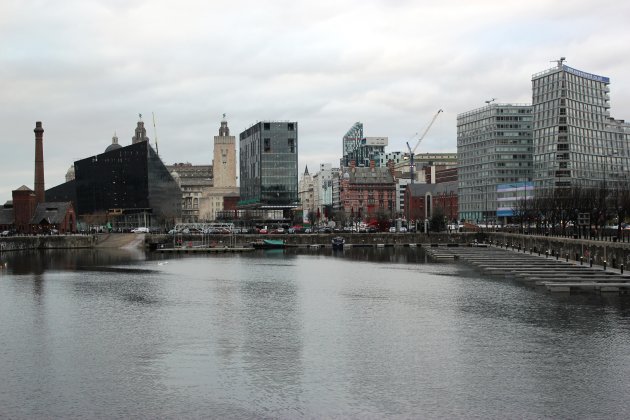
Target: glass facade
(576,142)
(268,164)
(131,178)
(494,146)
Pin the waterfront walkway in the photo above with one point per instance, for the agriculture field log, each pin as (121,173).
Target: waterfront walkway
(553,273)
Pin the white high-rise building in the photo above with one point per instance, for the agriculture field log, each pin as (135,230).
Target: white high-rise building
(494,146)
(576,142)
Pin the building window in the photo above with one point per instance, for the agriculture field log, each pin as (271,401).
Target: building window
(266,126)
(267,145)
(291,144)
(290,127)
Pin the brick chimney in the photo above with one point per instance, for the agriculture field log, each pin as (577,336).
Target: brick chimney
(40,195)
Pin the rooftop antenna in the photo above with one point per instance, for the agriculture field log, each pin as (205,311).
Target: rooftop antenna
(157,151)
(490,101)
(560,61)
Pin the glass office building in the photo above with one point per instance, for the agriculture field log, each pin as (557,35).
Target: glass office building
(268,153)
(576,142)
(494,146)
(127,181)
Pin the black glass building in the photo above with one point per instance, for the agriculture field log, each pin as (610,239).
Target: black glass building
(127,180)
(268,164)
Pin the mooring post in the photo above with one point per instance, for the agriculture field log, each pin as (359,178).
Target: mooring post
(604,265)
(591,261)
(621,267)
(581,260)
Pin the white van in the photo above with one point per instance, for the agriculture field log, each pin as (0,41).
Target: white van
(140,230)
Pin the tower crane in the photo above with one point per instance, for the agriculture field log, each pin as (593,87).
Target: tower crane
(412,151)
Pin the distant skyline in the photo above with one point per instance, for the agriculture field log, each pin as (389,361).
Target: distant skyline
(87,68)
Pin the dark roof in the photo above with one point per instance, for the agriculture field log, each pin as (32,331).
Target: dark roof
(434,189)
(364,175)
(53,213)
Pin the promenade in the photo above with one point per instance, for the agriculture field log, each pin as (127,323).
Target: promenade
(552,273)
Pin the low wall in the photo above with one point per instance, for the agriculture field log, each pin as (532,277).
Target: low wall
(614,253)
(316,238)
(15,243)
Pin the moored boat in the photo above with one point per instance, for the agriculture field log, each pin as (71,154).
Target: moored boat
(269,244)
(337,242)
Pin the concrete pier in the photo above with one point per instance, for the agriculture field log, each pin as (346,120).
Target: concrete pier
(553,274)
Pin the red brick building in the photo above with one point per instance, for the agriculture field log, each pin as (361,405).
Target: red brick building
(421,200)
(367,191)
(24,204)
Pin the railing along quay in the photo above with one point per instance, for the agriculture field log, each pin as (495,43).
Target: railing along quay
(553,273)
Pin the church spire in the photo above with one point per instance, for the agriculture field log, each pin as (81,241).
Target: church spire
(306,170)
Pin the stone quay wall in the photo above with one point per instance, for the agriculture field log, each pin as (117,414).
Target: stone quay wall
(16,243)
(315,238)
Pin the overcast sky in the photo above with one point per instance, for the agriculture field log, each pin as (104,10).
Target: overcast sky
(87,68)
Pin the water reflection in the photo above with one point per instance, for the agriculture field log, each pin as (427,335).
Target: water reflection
(272,350)
(38,262)
(300,333)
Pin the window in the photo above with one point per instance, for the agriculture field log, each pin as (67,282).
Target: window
(267,146)
(266,126)
(291,144)
(290,127)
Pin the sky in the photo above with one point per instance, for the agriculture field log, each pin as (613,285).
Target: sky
(87,68)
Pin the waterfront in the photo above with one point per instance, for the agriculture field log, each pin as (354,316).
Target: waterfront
(306,333)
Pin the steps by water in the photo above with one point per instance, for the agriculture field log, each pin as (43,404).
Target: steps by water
(554,274)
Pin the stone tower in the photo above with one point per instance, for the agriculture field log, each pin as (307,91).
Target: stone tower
(141,132)
(224,161)
(39,163)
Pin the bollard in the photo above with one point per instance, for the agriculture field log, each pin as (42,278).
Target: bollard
(567,256)
(581,260)
(604,265)
(591,261)
(557,255)
(621,267)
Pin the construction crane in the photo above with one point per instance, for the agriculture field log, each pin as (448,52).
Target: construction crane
(412,151)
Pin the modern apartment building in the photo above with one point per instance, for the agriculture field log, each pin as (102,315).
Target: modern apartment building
(576,142)
(268,165)
(494,146)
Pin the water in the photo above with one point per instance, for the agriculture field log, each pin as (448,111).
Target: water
(366,333)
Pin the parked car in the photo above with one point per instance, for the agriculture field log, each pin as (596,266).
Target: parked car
(5,233)
(140,230)
(392,229)
(403,229)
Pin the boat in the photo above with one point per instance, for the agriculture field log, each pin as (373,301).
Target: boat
(337,242)
(269,244)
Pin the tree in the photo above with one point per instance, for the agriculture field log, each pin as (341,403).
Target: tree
(340,217)
(437,223)
(382,220)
